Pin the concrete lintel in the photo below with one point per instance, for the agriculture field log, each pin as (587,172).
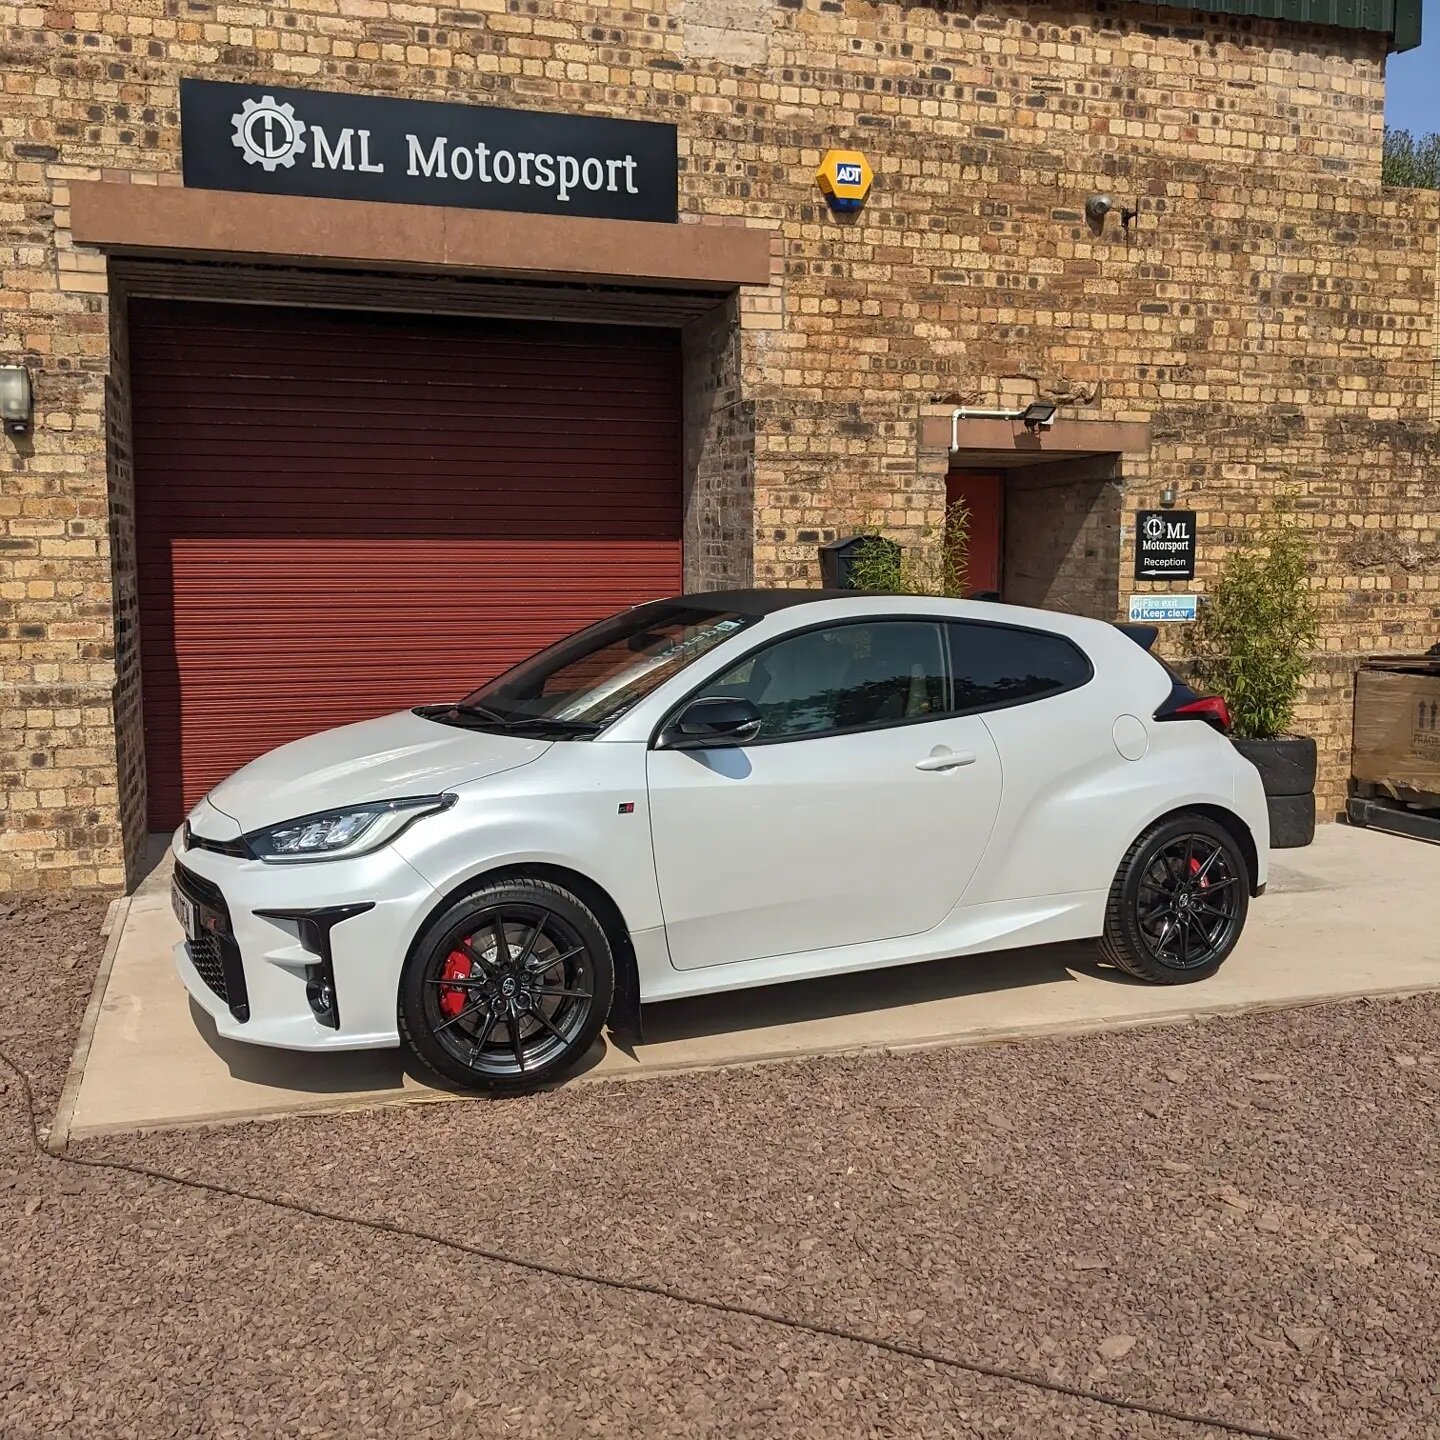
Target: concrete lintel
(1008,442)
(173,221)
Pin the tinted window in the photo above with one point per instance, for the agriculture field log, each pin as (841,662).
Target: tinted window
(994,665)
(842,678)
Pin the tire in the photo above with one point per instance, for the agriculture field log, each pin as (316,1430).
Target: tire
(507,1027)
(1286,764)
(1153,935)
(1292,820)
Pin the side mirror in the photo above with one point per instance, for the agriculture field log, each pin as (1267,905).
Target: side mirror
(705,724)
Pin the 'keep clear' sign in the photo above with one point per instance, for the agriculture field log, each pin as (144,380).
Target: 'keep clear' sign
(1158,609)
(270,140)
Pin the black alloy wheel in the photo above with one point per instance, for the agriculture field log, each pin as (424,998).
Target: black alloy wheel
(1178,903)
(508,989)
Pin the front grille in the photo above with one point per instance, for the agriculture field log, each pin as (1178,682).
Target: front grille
(203,892)
(205,957)
(237,848)
(214,952)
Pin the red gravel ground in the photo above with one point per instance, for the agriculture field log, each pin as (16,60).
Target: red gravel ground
(1238,1220)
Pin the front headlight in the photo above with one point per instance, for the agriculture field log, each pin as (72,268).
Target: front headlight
(339,834)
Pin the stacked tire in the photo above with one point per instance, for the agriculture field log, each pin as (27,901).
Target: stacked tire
(1287,771)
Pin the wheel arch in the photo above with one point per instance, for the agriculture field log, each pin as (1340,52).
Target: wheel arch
(625,1007)
(1229,821)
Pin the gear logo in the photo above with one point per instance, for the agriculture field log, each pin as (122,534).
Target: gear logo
(268,133)
(1154,527)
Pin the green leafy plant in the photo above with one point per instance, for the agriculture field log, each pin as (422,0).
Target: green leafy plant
(1254,634)
(938,567)
(1411,162)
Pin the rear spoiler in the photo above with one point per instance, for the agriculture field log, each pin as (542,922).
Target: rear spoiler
(1182,703)
(1143,635)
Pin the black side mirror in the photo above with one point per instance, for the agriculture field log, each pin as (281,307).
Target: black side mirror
(705,724)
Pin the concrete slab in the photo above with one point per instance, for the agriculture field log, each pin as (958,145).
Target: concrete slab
(1356,914)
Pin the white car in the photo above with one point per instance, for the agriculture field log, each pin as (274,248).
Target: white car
(712,792)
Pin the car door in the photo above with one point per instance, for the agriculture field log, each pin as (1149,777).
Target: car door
(859,812)
(1071,793)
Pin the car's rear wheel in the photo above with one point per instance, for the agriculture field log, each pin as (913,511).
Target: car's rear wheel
(1178,903)
(508,989)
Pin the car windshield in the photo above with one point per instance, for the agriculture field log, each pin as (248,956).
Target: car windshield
(585,681)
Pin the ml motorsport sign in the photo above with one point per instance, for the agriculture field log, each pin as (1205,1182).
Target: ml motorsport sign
(1165,545)
(274,141)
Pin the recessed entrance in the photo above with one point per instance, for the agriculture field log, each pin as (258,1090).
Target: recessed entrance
(1042,533)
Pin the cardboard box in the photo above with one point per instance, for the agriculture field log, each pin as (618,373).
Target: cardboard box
(1397,727)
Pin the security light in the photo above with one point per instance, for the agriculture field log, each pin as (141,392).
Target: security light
(17,402)
(1036,417)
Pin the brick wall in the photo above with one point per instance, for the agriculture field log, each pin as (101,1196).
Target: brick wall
(128,800)
(719,455)
(1271,311)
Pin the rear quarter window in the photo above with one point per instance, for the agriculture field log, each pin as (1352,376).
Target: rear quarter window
(996,665)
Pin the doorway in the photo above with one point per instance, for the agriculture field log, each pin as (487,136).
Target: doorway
(1043,532)
(982,492)
(343,512)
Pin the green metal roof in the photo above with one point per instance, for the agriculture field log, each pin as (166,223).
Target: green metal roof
(1399,19)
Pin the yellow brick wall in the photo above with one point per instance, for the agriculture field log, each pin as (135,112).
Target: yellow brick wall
(1271,312)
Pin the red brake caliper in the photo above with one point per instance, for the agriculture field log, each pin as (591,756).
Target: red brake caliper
(457,967)
(1195,870)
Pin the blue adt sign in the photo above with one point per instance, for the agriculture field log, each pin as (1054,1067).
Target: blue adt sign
(1157,609)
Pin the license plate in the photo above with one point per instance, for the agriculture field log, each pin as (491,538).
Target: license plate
(184,912)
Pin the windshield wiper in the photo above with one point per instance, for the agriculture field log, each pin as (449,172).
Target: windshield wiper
(526,722)
(481,712)
(551,722)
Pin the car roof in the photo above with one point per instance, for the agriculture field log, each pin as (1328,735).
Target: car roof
(833,604)
(761,602)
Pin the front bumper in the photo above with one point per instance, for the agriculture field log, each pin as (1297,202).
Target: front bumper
(251,968)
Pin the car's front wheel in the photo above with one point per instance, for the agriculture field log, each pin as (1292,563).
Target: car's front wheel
(508,989)
(1178,903)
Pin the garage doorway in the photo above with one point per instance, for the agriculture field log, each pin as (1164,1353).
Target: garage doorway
(343,513)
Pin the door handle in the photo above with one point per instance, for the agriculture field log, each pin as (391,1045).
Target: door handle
(946,760)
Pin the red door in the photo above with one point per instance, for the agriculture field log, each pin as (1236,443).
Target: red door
(983,492)
(342,514)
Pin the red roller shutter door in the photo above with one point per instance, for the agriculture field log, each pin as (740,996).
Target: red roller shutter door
(343,514)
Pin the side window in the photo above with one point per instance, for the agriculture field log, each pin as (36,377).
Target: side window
(842,678)
(994,665)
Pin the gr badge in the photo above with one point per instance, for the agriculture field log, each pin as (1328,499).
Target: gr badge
(844,177)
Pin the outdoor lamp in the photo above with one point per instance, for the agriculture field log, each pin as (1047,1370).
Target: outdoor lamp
(1037,416)
(1168,497)
(17,402)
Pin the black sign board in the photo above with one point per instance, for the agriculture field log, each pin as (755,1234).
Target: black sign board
(1165,545)
(274,141)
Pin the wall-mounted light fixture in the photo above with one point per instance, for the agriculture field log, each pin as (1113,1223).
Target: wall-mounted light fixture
(1168,498)
(17,400)
(1037,416)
